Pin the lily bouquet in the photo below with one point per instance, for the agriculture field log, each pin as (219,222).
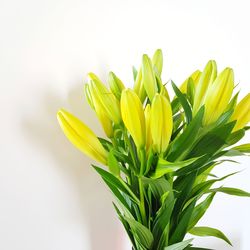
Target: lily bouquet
(160,152)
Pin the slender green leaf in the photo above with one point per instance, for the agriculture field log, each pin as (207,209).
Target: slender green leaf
(200,210)
(230,191)
(113,164)
(187,138)
(179,246)
(184,102)
(209,231)
(181,229)
(244,148)
(235,137)
(164,167)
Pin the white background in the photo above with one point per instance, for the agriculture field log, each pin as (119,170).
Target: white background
(50,198)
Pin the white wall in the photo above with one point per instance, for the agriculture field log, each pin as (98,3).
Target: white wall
(50,198)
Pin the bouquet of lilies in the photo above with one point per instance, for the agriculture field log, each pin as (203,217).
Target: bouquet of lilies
(160,152)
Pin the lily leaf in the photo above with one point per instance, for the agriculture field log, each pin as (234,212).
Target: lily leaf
(179,246)
(209,231)
(230,191)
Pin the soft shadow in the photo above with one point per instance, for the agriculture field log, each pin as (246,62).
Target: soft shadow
(43,131)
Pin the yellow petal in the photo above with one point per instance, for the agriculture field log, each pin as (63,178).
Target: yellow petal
(161,123)
(139,88)
(148,130)
(108,102)
(206,79)
(242,113)
(157,61)
(218,96)
(133,116)
(148,77)
(116,85)
(81,136)
(195,77)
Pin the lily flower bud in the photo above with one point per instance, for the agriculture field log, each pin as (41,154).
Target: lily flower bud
(157,61)
(133,117)
(88,95)
(116,85)
(148,77)
(242,113)
(161,123)
(195,77)
(81,136)
(139,88)
(101,95)
(148,131)
(206,79)
(218,96)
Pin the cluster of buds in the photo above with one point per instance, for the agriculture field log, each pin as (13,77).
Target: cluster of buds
(145,111)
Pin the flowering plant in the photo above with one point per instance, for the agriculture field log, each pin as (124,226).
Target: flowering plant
(160,152)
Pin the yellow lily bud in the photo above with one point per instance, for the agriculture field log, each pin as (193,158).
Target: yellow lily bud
(206,79)
(148,77)
(218,96)
(242,113)
(133,116)
(157,61)
(139,88)
(101,95)
(88,95)
(148,131)
(161,123)
(81,136)
(195,77)
(116,85)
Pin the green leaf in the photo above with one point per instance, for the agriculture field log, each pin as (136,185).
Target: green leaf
(164,167)
(179,246)
(200,210)
(230,191)
(244,148)
(235,137)
(209,231)
(162,219)
(113,164)
(181,228)
(114,181)
(187,138)
(212,141)
(184,102)
(190,90)
(141,233)
(175,105)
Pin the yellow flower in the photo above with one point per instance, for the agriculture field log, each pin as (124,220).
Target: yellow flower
(161,123)
(148,131)
(195,77)
(133,116)
(218,96)
(148,77)
(157,61)
(101,95)
(139,88)
(81,136)
(206,79)
(116,85)
(242,113)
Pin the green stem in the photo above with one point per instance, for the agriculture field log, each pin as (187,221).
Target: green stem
(142,202)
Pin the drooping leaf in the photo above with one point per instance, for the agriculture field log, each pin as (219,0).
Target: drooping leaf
(184,102)
(230,191)
(235,137)
(209,231)
(244,148)
(179,246)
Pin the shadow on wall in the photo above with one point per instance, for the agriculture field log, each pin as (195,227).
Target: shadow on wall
(95,200)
